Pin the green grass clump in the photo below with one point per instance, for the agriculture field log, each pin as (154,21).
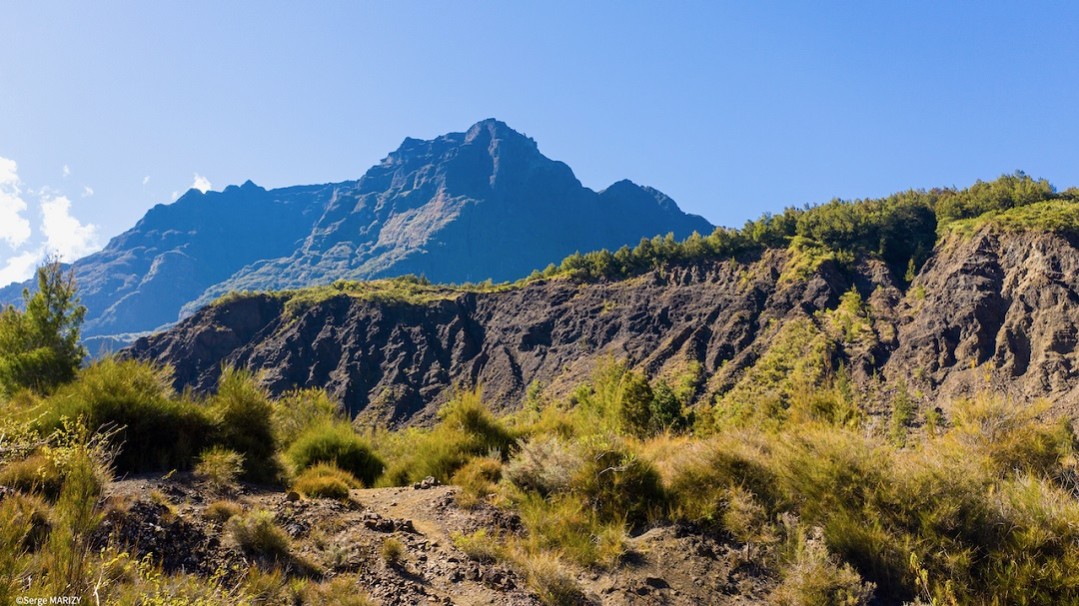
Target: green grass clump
(567,525)
(480,546)
(466,429)
(297,410)
(392,552)
(339,590)
(221,511)
(242,413)
(220,467)
(36,474)
(477,479)
(28,519)
(337,444)
(618,484)
(325,480)
(258,535)
(553,583)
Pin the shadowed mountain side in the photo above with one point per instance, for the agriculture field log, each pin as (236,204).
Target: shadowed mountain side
(473,206)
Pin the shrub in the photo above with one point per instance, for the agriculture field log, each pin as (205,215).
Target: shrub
(392,551)
(296,411)
(31,519)
(618,485)
(325,480)
(543,465)
(553,584)
(221,511)
(466,429)
(902,414)
(220,467)
(66,556)
(36,474)
(814,577)
(157,431)
(338,444)
(568,525)
(665,409)
(258,535)
(242,414)
(477,479)
(479,545)
(339,591)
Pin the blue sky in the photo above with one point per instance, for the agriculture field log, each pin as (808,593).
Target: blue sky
(731,108)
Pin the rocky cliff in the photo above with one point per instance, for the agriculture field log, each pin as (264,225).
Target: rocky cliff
(994,310)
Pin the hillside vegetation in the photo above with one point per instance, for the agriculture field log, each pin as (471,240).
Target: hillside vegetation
(901,229)
(828,498)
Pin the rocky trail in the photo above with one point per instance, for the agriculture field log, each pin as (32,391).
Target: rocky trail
(167,516)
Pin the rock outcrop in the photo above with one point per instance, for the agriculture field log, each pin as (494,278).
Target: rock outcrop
(992,311)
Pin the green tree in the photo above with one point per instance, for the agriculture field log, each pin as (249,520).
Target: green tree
(636,403)
(39,346)
(665,409)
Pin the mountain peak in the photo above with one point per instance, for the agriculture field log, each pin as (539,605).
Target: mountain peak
(486,131)
(247,186)
(463,206)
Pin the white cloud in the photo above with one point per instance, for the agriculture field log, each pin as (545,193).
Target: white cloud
(20,267)
(64,234)
(175,194)
(60,234)
(146,179)
(14,228)
(202,183)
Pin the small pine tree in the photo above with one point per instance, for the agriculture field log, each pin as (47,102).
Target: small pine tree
(39,346)
(666,409)
(636,403)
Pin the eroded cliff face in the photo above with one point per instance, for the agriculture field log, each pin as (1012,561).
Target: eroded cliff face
(996,311)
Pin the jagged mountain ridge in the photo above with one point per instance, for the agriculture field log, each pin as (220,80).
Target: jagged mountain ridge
(482,204)
(995,310)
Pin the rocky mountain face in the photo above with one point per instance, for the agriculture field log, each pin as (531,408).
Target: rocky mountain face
(483,204)
(996,310)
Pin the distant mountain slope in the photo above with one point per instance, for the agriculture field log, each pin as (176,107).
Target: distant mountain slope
(175,252)
(484,204)
(465,207)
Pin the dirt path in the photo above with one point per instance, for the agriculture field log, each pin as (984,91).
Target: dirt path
(667,565)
